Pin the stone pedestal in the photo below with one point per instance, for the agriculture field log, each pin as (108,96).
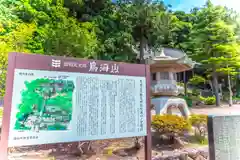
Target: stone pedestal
(169,105)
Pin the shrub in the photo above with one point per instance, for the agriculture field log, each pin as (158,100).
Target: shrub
(235,98)
(196,80)
(197,120)
(189,92)
(208,100)
(1,112)
(201,98)
(195,92)
(202,140)
(200,124)
(170,124)
(180,84)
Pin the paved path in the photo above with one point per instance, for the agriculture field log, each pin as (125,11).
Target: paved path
(225,110)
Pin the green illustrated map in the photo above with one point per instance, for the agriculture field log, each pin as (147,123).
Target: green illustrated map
(46,104)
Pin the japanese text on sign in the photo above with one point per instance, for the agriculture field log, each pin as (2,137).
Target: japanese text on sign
(112,68)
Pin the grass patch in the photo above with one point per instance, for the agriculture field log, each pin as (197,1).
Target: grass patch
(198,140)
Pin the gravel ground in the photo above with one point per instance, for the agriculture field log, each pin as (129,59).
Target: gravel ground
(223,110)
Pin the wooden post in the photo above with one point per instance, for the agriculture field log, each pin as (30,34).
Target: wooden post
(148,138)
(185,83)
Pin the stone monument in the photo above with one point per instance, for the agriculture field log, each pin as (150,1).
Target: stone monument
(224,137)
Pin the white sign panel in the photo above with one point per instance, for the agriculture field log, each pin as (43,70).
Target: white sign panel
(53,107)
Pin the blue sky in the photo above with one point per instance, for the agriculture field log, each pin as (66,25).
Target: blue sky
(186,5)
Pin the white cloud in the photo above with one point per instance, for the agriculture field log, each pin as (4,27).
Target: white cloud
(234,4)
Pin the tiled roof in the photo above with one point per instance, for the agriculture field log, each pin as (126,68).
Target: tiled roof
(175,53)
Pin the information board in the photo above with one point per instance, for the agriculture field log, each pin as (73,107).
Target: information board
(224,137)
(56,100)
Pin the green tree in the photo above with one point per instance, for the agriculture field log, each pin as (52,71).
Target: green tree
(229,63)
(210,36)
(184,28)
(113,30)
(168,30)
(152,24)
(6,14)
(115,34)
(57,33)
(13,38)
(196,80)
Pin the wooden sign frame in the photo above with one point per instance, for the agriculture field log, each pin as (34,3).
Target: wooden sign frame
(211,138)
(41,62)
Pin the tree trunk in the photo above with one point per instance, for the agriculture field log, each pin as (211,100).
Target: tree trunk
(238,83)
(216,87)
(230,90)
(211,85)
(220,90)
(141,56)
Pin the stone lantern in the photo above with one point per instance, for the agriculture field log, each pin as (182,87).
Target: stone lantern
(164,86)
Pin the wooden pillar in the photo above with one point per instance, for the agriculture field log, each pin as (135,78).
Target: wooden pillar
(158,77)
(171,76)
(185,83)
